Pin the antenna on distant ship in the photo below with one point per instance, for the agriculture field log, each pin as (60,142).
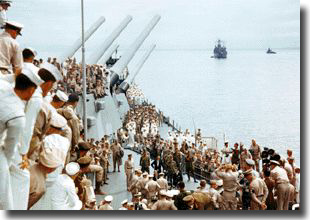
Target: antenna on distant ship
(84,73)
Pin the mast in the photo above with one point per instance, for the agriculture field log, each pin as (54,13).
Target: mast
(84,73)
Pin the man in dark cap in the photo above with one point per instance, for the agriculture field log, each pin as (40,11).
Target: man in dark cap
(87,167)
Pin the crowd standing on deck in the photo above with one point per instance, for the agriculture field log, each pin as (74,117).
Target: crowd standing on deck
(46,165)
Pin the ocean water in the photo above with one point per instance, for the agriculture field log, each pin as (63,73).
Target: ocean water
(250,94)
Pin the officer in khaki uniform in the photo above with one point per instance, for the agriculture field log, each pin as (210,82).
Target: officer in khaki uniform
(129,166)
(230,185)
(87,167)
(163,203)
(10,53)
(258,190)
(134,187)
(279,175)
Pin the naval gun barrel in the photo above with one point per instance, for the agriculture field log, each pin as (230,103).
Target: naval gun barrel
(125,85)
(78,43)
(94,58)
(108,54)
(121,64)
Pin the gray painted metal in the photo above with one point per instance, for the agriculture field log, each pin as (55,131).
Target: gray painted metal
(128,55)
(78,42)
(95,57)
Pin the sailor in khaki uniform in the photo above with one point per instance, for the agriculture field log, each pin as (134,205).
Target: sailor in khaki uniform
(12,123)
(10,53)
(73,121)
(39,112)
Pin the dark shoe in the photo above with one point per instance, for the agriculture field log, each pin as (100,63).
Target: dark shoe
(196,181)
(106,183)
(114,171)
(107,178)
(119,171)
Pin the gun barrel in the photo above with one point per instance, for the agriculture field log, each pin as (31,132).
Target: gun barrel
(95,57)
(141,63)
(125,59)
(78,43)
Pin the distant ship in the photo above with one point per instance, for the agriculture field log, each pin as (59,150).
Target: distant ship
(219,50)
(270,51)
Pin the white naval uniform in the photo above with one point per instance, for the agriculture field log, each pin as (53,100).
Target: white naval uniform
(12,123)
(64,196)
(18,176)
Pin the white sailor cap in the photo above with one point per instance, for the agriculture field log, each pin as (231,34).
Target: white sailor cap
(52,69)
(34,52)
(169,194)
(124,202)
(57,120)
(250,162)
(163,193)
(14,25)
(62,96)
(72,168)
(108,198)
(31,73)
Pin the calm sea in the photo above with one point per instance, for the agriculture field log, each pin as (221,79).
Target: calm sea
(248,95)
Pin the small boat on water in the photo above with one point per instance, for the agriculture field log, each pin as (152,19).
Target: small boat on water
(219,50)
(269,51)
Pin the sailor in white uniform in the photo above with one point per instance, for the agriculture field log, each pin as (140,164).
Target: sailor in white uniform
(12,124)
(64,195)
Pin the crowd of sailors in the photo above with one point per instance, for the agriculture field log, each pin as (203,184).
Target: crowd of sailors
(46,164)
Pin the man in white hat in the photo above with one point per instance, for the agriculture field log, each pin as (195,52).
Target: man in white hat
(12,123)
(124,205)
(50,158)
(4,6)
(106,203)
(10,53)
(279,175)
(64,195)
(68,112)
(59,99)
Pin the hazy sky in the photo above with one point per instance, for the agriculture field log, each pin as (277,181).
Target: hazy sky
(184,24)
